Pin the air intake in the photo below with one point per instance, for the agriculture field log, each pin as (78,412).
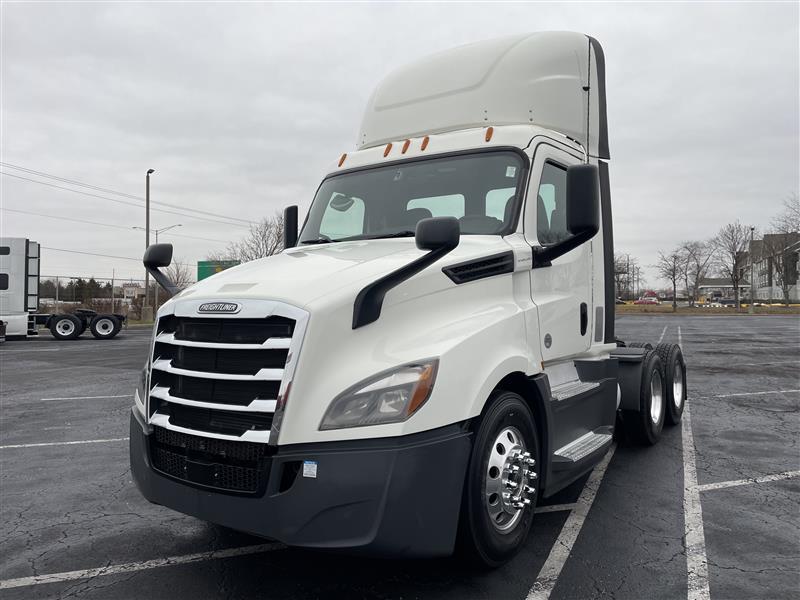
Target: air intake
(480,268)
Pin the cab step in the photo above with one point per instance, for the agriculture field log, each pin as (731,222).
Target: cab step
(583,446)
(570,389)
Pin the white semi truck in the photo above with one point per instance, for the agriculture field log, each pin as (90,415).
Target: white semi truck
(435,352)
(19,299)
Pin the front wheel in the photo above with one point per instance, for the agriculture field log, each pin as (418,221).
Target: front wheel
(501,486)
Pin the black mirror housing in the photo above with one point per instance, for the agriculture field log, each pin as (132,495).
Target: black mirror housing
(289,227)
(583,199)
(157,255)
(437,233)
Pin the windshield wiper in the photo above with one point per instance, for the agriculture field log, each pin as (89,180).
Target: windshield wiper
(378,236)
(322,239)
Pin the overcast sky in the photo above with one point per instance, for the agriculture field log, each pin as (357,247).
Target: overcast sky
(241,108)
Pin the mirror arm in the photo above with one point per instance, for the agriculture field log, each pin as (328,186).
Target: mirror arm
(368,304)
(162,279)
(544,255)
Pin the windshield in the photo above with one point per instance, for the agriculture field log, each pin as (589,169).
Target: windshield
(480,190)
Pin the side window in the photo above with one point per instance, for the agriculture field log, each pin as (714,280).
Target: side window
(343,217)
(497,202)
(551,205)
(5,250)
(3,281)
(451,205)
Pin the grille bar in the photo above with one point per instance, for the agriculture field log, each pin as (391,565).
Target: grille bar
(273,343)
(162,420)
(257,405)
(262,375)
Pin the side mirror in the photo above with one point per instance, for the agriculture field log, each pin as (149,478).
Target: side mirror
(438,233)
(583,213)
(583,199)
(156,256)
(290,227)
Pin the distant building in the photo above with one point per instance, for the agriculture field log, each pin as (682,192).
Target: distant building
(773,252)
(132,290)
(721,288)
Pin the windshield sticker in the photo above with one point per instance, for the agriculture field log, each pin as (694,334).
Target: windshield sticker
(511,171)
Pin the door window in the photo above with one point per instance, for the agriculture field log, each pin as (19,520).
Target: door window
(551,205)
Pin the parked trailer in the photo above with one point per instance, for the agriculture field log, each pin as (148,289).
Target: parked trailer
(19,299)
(436,353)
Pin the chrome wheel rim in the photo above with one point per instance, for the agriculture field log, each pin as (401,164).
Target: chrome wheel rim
(656,397)
(510,475)
(104,326)
(677,386)
(65,327)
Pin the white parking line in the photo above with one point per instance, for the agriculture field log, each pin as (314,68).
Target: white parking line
(748,394)
(87,397)
(138,566)
(63,443)
(559,553)
(662,334)
(15,351)
(737,482)
(555,508)
(694,532)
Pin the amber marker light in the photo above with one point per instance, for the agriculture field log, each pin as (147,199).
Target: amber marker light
(423,388)
(388,149)
(342,159)
(489,133)
(425,141)
(406,144)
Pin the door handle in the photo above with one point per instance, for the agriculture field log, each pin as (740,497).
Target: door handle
(584,318)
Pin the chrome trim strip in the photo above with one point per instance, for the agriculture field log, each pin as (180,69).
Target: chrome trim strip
(257,405)
(162,364)
(269,344)
(160,420)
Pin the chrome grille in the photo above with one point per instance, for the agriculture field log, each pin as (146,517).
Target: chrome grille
(222,377)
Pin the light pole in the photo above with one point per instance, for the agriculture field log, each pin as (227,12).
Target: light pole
(147,233)
(157,231)
(751,308)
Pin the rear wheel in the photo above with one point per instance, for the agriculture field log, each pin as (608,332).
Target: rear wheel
(644,425)
(646,345)
(105,327)
(501,485)
(674,381)
(65,327)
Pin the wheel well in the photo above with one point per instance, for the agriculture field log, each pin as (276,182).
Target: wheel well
(521,384)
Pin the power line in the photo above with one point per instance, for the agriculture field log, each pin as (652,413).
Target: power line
(25,212)
(123,194)
(163,210)
(107,255)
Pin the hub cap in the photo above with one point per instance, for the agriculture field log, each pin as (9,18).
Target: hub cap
(509,479)
(104,326)
(65,327)
(656,397)
(677,386)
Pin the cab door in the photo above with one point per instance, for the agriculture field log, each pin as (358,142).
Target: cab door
(562,291)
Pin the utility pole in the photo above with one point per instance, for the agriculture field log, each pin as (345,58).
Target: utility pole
(750,307)
(58,285)
(157,231)
(147,238)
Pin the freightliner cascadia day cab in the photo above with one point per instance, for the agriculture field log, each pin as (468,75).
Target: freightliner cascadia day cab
(434,352)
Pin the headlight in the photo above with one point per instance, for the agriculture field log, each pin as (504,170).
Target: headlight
(389,397)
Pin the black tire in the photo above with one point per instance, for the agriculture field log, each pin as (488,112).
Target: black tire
(674,377)
(105,327)
(65,327)
(480,541)
(639,424)
(646,345)
(84,325)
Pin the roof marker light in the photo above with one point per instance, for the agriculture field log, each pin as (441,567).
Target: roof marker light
(388,149)
(489,132)
(406,144)
(425,141)
(341,160)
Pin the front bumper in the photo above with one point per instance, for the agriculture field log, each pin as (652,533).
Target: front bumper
(384,497)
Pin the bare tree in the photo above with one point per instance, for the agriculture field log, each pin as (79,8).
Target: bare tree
(264,239)
(696,263)
(788,221)
(180,274)
(669,268)
(730,245)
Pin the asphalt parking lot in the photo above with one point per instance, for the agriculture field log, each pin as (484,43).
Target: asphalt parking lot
(712,511)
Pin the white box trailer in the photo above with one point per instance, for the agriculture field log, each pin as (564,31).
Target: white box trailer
(436,352)
(19,299)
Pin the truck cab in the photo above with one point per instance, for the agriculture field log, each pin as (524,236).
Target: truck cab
(433,352)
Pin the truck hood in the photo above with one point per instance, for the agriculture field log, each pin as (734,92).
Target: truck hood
(303,275)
